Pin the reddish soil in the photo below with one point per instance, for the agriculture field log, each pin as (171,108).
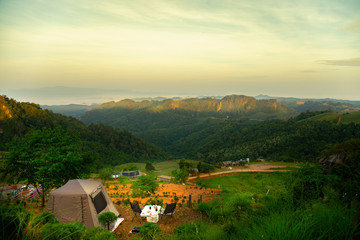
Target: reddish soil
(167,224)
(166,192)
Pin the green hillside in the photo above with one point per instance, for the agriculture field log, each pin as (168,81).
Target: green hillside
(161,168)
(276,140)
(165,122)
(112,146)
(344,118)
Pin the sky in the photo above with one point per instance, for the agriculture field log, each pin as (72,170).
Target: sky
(300,48)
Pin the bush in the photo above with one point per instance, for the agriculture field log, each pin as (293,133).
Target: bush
(96,233)
(44,218)
(308,183)
(55,231)
(126,202)
(199,230)
(150,231)
(149,167)
(144,186)
(180,176)
(105,174)
(13,221)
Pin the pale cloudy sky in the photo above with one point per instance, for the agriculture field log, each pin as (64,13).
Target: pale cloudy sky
(302,48)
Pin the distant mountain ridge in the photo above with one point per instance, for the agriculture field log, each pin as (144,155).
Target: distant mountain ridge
(232,104)
(313,104)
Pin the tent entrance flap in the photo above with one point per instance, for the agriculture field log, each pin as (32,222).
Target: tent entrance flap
(99,202)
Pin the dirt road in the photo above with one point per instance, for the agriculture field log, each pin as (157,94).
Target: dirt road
(261,167)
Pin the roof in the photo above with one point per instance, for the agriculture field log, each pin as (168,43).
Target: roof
(78,186)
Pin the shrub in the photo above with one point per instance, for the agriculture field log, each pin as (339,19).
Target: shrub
(55,231)
(144,186)
(149,167)
(107,218)
(105,174)
(126,202)
(13,221)
(44,218)
(149,231)
(96,233)
(308,183)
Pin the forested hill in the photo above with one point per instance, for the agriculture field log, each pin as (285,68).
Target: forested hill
(165,122)
(299,139)
(112,146)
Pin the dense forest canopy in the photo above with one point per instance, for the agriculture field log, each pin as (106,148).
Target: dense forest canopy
(112,146)
(193,128)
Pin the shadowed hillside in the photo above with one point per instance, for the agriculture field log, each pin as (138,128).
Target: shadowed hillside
(112,146)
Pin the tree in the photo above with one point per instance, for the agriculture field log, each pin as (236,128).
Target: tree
(180,176)
(205,167)
(45,158)
(149,166)
(107,218)
(144,186)
(106,174)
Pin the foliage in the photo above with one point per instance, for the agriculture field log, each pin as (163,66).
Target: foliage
(111,146)
(199,230)
(149,166)
(205,167)
(273,139)
(144,186)
(55,231)
(258,213)
(348,169)
(106,174)
(150,231)
(180,176)
(185,165)
(44,158)
(308,183)
(96,233)
(44,218)
(13,222)
(107,218)
(130,167)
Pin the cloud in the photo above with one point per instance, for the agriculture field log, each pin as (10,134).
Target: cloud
(353,62)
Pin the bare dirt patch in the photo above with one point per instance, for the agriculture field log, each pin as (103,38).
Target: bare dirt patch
(182,214)
(166,192)
(261,167)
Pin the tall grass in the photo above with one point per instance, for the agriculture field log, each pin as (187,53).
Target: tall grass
(246,211)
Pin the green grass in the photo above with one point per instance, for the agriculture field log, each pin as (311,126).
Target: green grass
(328,116)
(353,117)
(252,183)
(161,168)
(259,206)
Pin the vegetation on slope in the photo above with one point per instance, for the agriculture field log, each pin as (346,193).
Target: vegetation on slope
(111,146)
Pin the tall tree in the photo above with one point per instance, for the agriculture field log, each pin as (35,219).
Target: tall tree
(45,158)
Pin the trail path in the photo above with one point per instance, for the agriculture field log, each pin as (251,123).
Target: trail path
(261,167)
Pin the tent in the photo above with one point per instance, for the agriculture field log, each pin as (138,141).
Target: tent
(81,201)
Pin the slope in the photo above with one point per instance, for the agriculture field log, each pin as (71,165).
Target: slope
(112,146)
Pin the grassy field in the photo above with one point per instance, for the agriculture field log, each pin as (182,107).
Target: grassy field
(260,206)
(251,183)
(161,168)
(353,117)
